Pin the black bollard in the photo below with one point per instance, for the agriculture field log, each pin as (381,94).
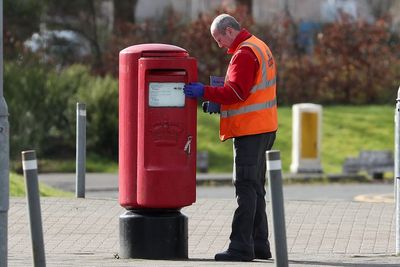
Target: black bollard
(274,171)
(29,165)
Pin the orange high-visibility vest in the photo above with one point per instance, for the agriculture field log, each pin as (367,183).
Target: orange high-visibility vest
(258,113)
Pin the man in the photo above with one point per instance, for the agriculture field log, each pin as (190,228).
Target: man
(248,114)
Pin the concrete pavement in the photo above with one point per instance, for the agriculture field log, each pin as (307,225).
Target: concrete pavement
(321,230)
(84,232)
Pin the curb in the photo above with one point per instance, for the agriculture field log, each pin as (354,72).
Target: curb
(224,178)
(375,198)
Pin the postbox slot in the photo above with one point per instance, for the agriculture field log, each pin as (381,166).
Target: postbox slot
(164,72)
(164,54)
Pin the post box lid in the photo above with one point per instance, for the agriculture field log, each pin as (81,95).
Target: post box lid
(156,50)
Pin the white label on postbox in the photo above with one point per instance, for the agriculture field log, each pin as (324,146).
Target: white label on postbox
(166,95)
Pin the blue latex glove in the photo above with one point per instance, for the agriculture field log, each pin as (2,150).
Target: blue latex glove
(194,90)
(211,107)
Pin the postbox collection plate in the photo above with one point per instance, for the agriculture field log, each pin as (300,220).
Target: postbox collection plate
(166,94)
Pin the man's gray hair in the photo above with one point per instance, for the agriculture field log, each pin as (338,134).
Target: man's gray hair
(224,21)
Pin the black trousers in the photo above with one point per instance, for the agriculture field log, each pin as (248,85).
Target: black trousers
(249,225)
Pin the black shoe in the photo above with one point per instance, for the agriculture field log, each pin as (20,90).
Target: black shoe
(263,255)
(230,255)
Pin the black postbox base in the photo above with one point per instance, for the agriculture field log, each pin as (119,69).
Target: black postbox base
(158,234)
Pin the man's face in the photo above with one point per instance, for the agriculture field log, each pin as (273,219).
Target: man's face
(223,40)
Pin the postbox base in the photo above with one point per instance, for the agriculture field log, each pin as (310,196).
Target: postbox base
(153,235)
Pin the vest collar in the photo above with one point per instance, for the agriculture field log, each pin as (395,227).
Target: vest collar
(240,38)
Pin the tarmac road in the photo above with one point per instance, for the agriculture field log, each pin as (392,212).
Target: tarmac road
(106,185)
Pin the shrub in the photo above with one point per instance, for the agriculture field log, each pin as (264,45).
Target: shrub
(351,62)
(42,105)
(25,91)
(357,62)
(101,98)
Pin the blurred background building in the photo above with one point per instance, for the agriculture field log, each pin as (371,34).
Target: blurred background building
(265,11)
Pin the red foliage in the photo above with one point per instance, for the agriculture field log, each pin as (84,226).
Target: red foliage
(353,62)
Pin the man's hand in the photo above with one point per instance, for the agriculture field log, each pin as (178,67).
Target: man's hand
(194,90)
(211,107)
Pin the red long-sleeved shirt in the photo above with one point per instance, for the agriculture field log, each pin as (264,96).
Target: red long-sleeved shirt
(242,71)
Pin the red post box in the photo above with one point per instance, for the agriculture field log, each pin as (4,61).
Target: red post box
(157,150)
(157,127)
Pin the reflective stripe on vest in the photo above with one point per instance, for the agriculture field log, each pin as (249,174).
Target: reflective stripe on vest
(249,108)
(264,83)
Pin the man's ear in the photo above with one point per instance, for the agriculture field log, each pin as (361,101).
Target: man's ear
(228,31)
(231,32)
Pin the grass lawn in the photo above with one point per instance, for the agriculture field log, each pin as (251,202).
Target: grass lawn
(17,188)
(93,164)
(345,131)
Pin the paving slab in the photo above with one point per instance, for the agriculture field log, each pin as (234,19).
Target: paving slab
(84,232)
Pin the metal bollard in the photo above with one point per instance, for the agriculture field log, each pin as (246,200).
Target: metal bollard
(4,160)
(29,166)
(274,171)
(80,149)
(397,170)
(202,161)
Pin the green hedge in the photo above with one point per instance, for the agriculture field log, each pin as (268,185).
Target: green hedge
(42,107)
